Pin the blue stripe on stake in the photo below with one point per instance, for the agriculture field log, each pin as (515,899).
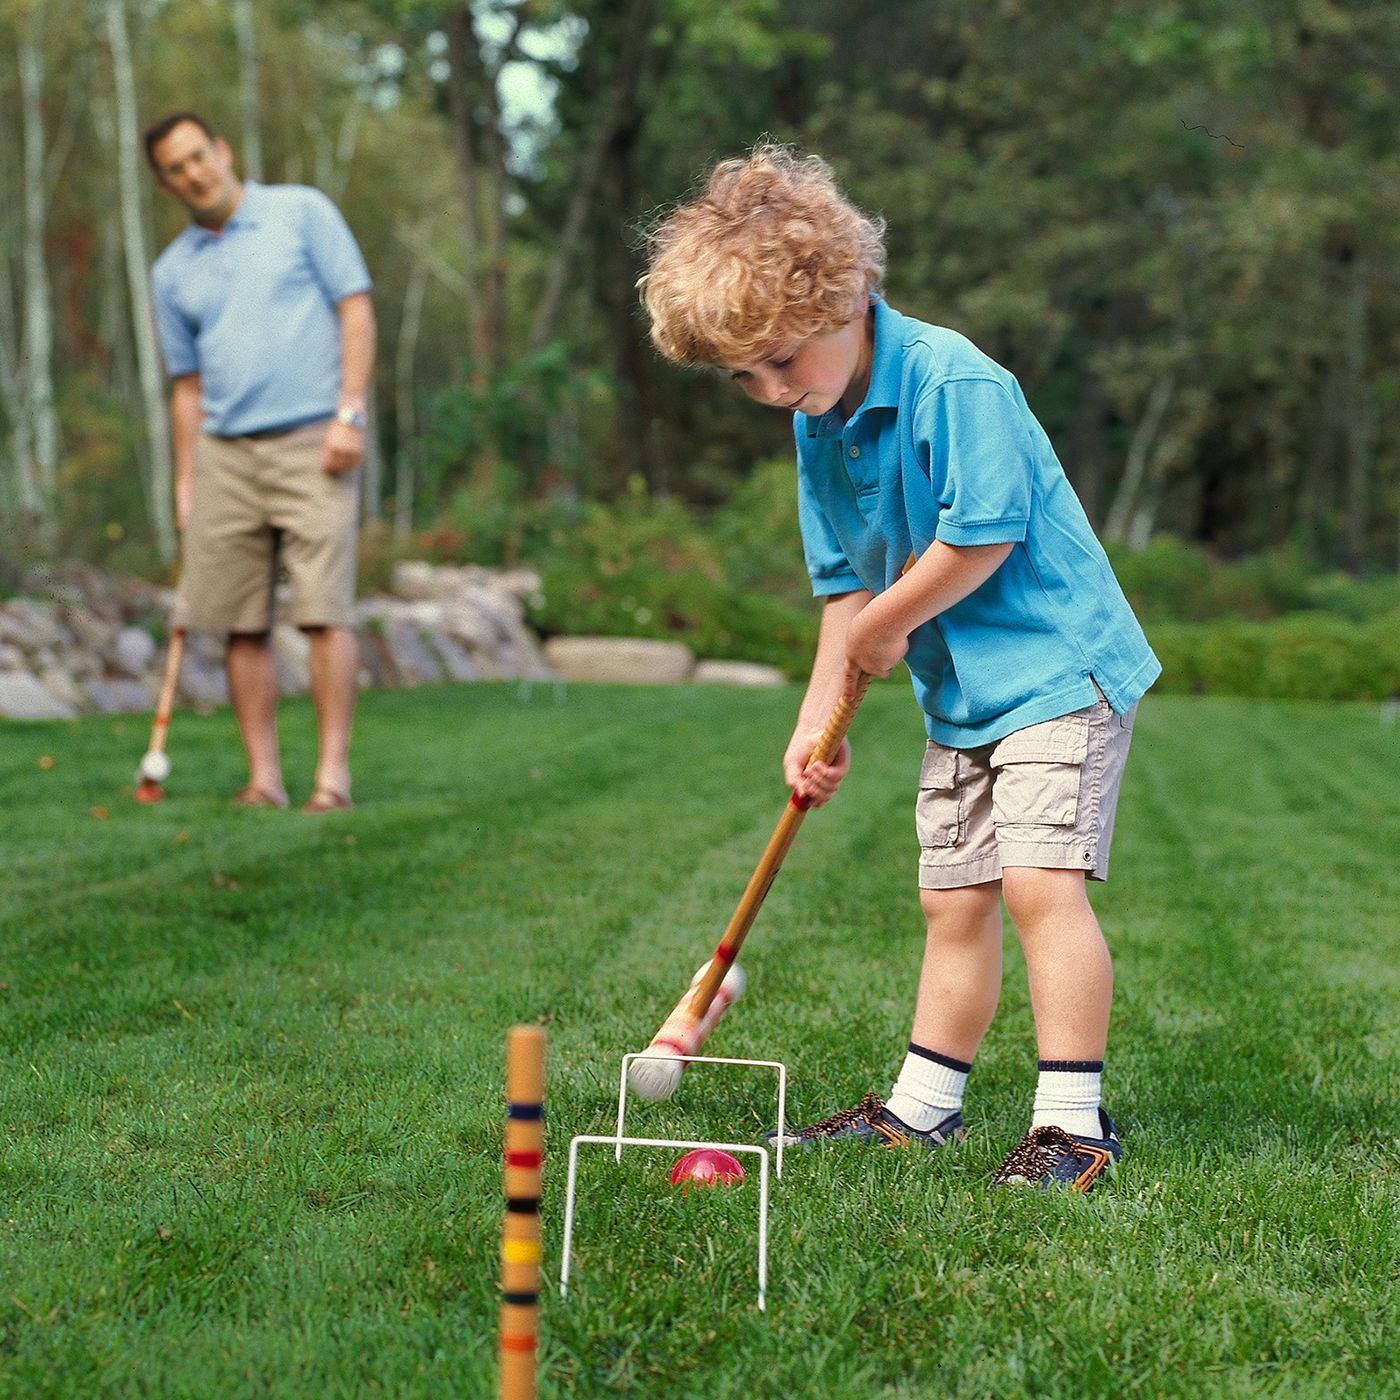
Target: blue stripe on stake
(527,1112)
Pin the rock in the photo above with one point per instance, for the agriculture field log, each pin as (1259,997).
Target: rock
(620,660)
(61,685)
(118,696)
(453,655)
(24,697)
(291,650)
(414,580)
(134,651)
(414,662)
(202,685)
(31,625)
(744,673)
(469,624)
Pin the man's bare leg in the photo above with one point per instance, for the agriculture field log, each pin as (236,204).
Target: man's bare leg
(252,686)
(335,662)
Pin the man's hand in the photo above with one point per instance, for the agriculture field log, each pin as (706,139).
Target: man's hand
(814,783)
(872,648)
(344,446)
(184,499)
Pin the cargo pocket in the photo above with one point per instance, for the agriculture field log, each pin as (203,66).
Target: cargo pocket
(1037,773)
(938,809)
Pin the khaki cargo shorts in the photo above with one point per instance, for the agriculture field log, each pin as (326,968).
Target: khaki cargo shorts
(1044,796)
(261,502)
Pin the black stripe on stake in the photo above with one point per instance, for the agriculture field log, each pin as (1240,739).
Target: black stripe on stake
(523,1205)
(528,1112)
(525,1300)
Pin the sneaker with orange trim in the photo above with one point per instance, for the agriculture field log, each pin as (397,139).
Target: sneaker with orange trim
(871,1122)
(1050,1159)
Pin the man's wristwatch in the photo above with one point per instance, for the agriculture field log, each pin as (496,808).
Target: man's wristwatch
(351,417)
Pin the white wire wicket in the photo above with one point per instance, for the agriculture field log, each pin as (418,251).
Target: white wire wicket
(703,1060)
(619,1142)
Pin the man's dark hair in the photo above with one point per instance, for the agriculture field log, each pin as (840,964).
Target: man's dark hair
(158,131)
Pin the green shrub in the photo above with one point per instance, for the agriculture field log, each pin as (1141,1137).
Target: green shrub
(1171,581)
(643,567)
(1307,656)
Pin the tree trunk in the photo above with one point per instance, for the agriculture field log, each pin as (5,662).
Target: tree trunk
(462,51)
(1357,421)
(1086,455)
(1142,451)
(36,354)
(621,94)
(246,32)
(23,492)
(405,417)
(134,242)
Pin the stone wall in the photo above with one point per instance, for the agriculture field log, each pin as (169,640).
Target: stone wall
(78,641)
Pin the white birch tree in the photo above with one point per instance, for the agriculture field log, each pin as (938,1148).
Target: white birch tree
(134,243)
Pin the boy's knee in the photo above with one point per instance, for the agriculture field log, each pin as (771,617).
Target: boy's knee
(961,912)
(1031,892)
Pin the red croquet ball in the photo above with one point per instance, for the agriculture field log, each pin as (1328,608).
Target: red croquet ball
(707,1166)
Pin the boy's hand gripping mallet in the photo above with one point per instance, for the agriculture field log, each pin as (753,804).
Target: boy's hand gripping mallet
(719,983)
(155,764)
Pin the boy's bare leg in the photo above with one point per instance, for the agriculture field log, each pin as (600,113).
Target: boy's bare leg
(958,989)
(961,977)
(252,686)
(334,664)
(1067,961)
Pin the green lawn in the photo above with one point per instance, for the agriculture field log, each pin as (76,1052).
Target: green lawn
(252,1102)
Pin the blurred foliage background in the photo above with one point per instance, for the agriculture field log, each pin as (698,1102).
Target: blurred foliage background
(1176,223)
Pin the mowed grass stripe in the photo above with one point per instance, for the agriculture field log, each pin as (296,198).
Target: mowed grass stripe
(288,1183)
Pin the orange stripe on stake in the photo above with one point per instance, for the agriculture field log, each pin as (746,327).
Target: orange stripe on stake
(522,1170)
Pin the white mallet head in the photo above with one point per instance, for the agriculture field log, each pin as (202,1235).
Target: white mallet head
(155,766)
(658,1078)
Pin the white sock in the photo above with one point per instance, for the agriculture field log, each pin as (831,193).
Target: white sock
(928,1089)
(1067,1096)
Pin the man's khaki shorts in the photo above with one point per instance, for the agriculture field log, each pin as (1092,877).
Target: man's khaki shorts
(1044,796)
(260,502)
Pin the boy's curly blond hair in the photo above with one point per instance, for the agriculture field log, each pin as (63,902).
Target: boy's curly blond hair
(771,253)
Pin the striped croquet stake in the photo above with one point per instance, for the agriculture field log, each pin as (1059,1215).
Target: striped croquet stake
(520,1231)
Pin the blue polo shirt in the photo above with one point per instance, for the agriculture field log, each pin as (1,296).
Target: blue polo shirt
(252,309)
(944,447)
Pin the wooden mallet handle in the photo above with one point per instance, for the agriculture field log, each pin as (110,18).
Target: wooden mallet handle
(823,751)
(160,725)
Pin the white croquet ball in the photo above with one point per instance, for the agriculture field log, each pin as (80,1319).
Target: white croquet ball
(155,766)
(655,1079)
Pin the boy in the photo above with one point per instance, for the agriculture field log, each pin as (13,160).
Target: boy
(1026,660)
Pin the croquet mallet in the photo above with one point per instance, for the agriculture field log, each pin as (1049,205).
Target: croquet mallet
(715,986)
(155,763)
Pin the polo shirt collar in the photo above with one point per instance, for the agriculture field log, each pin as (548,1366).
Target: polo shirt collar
(245,216)
(886,374)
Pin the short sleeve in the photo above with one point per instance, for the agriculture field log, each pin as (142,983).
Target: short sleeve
(175,333)
(335,256)
(980,461)
(827,565)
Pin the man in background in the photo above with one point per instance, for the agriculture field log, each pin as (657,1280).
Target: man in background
(262,304)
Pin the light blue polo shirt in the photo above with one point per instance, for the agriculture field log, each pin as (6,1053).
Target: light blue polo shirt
(252,309)
(945,447)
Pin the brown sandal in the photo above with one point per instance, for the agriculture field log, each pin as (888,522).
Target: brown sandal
(327,800)
(251,796)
